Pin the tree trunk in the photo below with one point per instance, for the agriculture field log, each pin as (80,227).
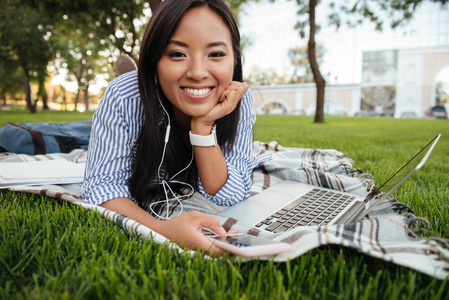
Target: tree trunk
(317,77)
(64,98)
(26,88)
(77,98)
(86,98)
(79,75)
(3,97)
(43,93)
(28,96)
(45,100)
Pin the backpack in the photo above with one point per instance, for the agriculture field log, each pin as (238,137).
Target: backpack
(43,138)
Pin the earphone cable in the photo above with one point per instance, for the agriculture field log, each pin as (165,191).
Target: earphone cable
(164,183)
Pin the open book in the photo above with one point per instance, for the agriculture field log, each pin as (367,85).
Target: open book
(59,171)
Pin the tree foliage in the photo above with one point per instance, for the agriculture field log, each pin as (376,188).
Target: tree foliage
(299,58)
(352,13)
(36,32)
(79,51)
(25,36)
(270,76)
(117,23)
(83,36)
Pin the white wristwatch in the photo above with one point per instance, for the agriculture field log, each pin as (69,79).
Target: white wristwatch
(204,140)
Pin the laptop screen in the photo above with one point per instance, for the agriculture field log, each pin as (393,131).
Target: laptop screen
(415,163)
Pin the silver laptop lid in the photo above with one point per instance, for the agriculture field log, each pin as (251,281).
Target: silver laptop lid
(414,164)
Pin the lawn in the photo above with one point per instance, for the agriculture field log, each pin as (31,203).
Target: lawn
(50,249)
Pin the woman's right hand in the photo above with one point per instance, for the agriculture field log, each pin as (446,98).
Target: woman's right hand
(186,230)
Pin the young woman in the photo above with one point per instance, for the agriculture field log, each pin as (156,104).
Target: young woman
(183,119)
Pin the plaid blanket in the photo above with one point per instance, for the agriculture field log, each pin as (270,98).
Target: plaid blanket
(390,232)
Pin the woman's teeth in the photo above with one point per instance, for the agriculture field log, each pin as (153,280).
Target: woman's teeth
(197,92)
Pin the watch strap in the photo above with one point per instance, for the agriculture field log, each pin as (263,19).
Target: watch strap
(204,140)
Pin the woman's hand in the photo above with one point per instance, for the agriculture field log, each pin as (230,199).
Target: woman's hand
(225,104)
(186,231)
(212,167)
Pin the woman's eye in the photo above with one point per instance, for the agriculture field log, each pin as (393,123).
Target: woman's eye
(176,54)
(217,54)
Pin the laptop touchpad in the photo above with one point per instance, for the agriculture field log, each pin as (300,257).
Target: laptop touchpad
(251,211)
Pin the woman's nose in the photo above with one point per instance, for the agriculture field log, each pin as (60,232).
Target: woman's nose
(197,70)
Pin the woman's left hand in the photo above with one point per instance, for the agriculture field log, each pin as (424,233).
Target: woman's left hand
(226,103)
(211,165)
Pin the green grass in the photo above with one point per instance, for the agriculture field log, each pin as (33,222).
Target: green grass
(50,249)
(24,116)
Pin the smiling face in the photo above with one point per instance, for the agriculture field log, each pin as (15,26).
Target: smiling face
(198,63)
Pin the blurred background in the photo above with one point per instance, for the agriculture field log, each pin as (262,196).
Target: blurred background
(372,58)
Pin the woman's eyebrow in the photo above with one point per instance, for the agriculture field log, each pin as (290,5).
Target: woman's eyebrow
(210,45)
(179,43)
(215,44)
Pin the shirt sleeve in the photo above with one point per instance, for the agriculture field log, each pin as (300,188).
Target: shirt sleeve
(115,128)
(239,161)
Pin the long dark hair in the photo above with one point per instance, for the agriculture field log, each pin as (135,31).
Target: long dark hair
(149,146)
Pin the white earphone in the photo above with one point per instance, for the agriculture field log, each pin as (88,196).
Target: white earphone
(165,184)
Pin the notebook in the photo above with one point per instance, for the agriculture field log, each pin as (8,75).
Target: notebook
(290,204)
(59,171)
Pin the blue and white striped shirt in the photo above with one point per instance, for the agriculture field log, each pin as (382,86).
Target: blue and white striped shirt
(115,128)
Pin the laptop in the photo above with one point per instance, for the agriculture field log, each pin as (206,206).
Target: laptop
(289,204)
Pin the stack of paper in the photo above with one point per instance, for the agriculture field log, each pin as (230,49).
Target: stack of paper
(58,171)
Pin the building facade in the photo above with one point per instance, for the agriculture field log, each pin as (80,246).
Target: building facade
(403,85)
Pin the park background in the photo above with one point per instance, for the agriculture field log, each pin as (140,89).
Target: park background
(66,52)
(50,249)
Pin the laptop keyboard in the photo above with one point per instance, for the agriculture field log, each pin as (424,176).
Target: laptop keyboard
(316,207)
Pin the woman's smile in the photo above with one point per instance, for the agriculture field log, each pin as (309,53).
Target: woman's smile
(197,94)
